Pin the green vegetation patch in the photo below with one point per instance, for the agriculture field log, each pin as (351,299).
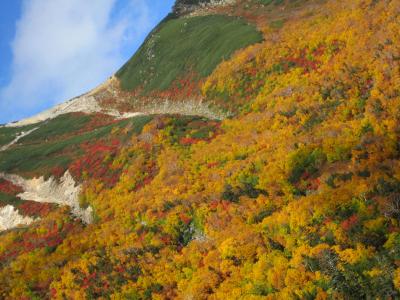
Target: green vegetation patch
(269,2)
(305,161)
(278,24)
(59,126)
(178,47)
(190,129)
(46,153)
(6,199)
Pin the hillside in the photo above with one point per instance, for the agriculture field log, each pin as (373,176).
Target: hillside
(254,156)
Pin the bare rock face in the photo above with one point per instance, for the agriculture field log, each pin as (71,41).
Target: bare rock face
(63,192)
(183,7)
(189,107)
(10,218)
(86,103)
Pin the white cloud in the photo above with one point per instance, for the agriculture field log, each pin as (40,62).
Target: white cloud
(64,47)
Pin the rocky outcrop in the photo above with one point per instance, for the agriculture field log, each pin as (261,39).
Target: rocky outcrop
(183,7)
(62,192)
(10,218)
(186,108)
(86,103)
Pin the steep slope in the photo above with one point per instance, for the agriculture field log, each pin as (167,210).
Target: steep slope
(295,196)
(182,46)
(165,73)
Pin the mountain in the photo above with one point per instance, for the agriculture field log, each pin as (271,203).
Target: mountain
(248,150)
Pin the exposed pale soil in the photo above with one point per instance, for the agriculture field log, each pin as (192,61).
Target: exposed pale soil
(10,218)
(62,192)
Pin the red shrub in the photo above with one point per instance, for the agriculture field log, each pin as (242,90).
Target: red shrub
(350,222)
(58,172)
(31,240)
(7,187)
(31,208)
(97,161)
(212,165)
(180,88)
(314,184)
(150,172)
(188,141)
(97,121)
(185,219)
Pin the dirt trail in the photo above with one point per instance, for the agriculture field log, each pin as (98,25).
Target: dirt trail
(17,138)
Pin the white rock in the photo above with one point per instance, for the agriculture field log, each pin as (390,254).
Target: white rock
(188,108)
(66,192)
(86,104)
(10,218)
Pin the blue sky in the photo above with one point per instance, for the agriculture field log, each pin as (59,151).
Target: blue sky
(53,50)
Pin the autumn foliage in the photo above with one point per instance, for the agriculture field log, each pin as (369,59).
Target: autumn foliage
(297,196)
(96,162)
(9,188)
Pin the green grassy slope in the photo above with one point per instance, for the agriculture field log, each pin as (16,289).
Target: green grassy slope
(180,46)
(62,125)
(8,134)
(57,142)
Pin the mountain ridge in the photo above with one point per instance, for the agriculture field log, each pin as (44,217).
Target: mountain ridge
(92,102)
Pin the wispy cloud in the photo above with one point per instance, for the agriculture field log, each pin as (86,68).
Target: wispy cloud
(64,47)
